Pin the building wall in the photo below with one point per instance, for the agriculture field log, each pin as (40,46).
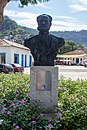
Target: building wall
(9,54)
(78,60)
(20,52)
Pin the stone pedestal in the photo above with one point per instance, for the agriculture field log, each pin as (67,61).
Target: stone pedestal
(44,85)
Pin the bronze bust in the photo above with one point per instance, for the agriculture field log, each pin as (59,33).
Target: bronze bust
(44,46)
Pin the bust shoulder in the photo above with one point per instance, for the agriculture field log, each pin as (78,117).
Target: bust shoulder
(30,41)
(55,37)
(33,38)
(59,41)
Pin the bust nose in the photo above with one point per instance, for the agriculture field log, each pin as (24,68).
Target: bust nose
(43,22)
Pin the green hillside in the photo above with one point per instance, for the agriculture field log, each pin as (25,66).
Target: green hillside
(76,36)
(12,31)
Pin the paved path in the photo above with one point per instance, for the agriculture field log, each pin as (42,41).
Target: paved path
(73,72)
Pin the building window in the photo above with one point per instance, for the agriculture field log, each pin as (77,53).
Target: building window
(16,58)
(3,58)
(25,60)
(22,60)
(30,60)
(77,60)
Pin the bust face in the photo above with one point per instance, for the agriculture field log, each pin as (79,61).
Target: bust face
(44,23)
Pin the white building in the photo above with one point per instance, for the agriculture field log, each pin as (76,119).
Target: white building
(11,52)
(76,57)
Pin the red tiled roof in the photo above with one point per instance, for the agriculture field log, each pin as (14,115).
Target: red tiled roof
(4,42)
(78,51)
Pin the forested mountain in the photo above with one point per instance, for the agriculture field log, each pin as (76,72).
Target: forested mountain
(76,36)
(12,31)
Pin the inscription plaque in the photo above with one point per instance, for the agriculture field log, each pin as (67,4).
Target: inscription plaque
(43,80)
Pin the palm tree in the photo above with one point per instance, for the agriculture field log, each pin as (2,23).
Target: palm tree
(72,44)
(23,2)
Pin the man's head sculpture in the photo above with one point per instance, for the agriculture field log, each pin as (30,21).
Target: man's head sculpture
(44,46)
(44,22)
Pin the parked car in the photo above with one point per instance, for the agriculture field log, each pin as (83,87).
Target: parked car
(6,68)
(17,68)
(85,64)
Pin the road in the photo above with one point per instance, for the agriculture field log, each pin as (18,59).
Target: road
(72,72)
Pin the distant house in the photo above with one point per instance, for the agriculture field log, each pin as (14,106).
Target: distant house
(11,52)
(78,57)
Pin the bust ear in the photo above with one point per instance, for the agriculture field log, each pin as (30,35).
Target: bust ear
(50,23)
(38,17)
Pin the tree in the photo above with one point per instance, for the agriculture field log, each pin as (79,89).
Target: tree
(70,46)
(22,2)
(2,5)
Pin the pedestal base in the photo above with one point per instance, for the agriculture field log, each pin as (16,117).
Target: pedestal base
(44,85)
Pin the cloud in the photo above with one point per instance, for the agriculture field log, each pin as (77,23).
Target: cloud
(21,15)
(59,23)
(67,26)
(42,5)
(28,23)
(67,23)
(22,18)
(78,8)
(63,17)
(78,5)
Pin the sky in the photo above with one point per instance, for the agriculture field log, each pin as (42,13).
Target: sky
(67,15)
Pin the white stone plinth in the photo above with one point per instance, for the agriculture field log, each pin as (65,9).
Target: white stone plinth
(44,85)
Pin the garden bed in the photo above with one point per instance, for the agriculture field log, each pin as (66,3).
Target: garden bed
(18,113)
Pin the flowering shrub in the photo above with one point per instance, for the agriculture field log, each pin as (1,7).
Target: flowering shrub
(18,113)
(73,103)
(16,110)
